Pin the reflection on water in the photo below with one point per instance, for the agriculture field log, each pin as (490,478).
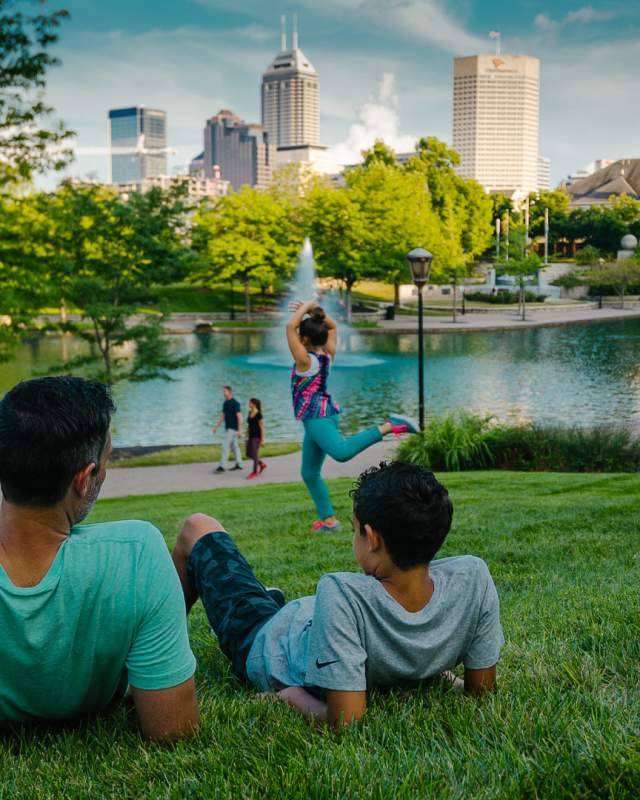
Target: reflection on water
(580,374)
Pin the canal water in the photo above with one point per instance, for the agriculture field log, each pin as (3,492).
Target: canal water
(573,375)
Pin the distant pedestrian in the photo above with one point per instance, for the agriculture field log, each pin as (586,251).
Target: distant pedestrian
(255,437)
(232,417)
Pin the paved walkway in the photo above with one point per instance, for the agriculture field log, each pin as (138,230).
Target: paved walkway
(496,318)
(128,481)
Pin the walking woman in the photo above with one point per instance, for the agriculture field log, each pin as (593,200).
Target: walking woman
(255,437)
(312,337)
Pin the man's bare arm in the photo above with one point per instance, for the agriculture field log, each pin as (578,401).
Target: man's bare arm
(341,708)
(167,714)
(477,681)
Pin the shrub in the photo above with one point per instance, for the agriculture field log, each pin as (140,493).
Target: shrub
(463,441)
(504,297)
(453,443)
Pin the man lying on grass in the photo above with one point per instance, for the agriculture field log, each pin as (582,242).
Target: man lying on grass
(407,618)
(84,610)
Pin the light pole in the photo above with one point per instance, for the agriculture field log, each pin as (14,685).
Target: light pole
(420,265)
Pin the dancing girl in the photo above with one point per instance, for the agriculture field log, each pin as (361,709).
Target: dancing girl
(312,336)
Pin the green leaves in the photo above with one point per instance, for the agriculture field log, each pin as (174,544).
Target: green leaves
(29,140)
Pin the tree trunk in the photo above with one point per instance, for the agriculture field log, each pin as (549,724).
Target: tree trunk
(622,298)
(349,315)
(247,300)
(63,311)
(523,303)
(396,295)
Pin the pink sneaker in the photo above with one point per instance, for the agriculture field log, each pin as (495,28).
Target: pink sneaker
(401,424)
(263,466)
(252,475)
(319,526)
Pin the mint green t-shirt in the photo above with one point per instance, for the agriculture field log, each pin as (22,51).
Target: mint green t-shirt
(109,611)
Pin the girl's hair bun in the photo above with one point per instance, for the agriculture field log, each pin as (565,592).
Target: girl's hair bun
(318,315)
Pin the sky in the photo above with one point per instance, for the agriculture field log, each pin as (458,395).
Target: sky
(385,68)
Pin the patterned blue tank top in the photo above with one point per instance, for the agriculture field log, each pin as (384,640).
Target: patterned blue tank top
(309,392)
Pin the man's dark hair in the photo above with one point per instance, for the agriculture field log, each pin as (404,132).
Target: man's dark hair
(408,507)
(50,428)
(228,388)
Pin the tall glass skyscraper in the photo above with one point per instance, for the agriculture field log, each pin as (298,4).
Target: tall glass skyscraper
(138,143)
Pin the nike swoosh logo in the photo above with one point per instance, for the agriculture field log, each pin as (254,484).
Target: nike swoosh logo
(321,664)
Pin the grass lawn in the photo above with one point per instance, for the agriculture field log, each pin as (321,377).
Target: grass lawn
(564,723)
(196,454)
(186,298)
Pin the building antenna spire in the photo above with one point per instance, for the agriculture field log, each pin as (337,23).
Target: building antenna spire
(283,33)
(294,44)
(496,35)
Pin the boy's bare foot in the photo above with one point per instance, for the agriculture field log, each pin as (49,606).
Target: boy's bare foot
(195,527)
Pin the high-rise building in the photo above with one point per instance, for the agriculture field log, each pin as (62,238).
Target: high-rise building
(237,151)
(496,102)
(291,97)
(138,144)
(544,174)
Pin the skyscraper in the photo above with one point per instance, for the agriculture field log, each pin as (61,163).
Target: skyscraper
(138,143)
(240,151)
(544,174)
(291,97)
(496,102)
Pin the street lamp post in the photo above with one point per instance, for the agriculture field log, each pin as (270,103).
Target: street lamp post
(420,265)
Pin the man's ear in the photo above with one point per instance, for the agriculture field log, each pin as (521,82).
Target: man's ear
(374,539)
(82,478)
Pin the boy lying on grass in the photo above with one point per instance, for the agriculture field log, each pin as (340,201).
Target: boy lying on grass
(407,618)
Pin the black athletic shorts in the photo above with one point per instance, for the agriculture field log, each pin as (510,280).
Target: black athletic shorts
(236,603)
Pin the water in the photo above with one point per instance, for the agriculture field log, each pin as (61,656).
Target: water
(580,374)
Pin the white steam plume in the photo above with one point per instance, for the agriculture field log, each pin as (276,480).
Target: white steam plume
(378,119)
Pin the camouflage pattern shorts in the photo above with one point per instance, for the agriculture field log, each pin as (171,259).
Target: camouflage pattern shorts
(236,603)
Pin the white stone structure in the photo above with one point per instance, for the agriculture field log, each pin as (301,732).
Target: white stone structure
(496,101)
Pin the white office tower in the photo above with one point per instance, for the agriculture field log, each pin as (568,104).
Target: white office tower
(291,97)
(496,101)
(544,174)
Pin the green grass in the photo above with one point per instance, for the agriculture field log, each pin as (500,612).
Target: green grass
(196,454)
(563,550)
(185,298)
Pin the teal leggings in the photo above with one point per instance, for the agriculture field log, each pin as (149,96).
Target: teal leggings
(322,438)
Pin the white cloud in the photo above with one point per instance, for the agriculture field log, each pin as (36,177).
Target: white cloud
(581,16)
(378,119)
(545,23)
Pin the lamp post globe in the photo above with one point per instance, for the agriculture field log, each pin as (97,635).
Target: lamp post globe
(420,265)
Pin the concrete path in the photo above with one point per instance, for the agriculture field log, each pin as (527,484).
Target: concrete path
(128,481)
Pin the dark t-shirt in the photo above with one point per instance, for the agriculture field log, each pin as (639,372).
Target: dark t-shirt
(230,409)
(254,425)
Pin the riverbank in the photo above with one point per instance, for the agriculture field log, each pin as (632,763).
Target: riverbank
(490,319)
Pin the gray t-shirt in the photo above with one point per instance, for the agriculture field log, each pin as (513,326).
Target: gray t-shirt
(353,635)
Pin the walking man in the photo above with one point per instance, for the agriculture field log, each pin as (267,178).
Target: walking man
(232,417)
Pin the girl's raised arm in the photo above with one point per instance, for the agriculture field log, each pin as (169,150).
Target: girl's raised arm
(298,350)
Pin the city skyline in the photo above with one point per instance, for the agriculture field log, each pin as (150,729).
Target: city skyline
(201,56)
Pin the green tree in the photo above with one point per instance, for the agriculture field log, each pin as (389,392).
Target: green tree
(23,284)
(379,153)
(246,236)
(587,255)
(29,140)
(618,275)
(337,229)
(101,253)
(520,266)
(397,216)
